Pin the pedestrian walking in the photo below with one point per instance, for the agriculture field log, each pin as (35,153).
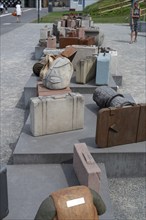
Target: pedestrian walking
(1,8)
(134,18)
(18,11)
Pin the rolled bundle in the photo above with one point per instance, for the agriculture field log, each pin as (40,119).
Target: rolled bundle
(105,97)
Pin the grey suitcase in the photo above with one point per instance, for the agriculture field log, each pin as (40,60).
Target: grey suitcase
(85,167)
(102,69)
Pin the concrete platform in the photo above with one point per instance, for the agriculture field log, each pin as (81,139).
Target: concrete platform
(124,160)
(29,185)
(30,89)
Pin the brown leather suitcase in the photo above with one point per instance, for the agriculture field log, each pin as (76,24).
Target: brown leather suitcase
(122,125)
(85,167)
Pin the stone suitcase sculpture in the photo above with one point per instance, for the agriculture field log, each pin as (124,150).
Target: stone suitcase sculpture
(105,97)
(76,202)
(54,114)
(122,125)
(43,91)
(102,69)
(58,74)
(85,70)
(85,167)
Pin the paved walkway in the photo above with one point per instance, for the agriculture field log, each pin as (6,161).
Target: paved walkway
(16,62)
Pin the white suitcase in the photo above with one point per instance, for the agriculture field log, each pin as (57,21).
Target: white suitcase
(58,113)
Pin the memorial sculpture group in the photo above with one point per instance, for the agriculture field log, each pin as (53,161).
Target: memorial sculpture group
(57,109)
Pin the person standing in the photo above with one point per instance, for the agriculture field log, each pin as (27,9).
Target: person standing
(134,17)
(18,11)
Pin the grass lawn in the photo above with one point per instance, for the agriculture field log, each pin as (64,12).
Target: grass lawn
(121,15)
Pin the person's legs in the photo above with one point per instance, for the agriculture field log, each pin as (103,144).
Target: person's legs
(18,18)
(132,36)
(135,30)
(135,36)
(132,33)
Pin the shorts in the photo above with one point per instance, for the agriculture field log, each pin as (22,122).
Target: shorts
(134,26)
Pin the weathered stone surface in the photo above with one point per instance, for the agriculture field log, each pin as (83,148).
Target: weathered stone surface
(39,52)
(51,42)
(44,33)
(82,52)
(43,91)
(85,167)
(102,69)
(86,69)
(106,97)
(54,114)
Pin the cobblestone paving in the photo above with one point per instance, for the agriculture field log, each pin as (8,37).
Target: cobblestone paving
(128,195)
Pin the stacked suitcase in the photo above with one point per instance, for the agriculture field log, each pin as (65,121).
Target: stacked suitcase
(102,69)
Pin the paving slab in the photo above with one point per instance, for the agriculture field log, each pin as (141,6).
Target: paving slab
(129,159)
(29,185)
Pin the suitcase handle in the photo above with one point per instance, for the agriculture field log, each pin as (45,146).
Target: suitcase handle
(88,158)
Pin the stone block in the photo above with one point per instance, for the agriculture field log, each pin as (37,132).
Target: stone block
(117,79)
(52,51)
(4,209)
(98,35)
(71,33)
(102,69)
(65,41)
(44,33)
(30,90)
(80,32)
(62,31)
(43,91)
(51,42)
(85,23)
(82,52)
(86,69)
(85,167)
(87,41)
(38,52)
(113,62)
(71,23)
(91,32)
(54,114)
(63,23)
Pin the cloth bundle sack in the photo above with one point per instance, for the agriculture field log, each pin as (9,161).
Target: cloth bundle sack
(47,63)
(74,203)
(58,74)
